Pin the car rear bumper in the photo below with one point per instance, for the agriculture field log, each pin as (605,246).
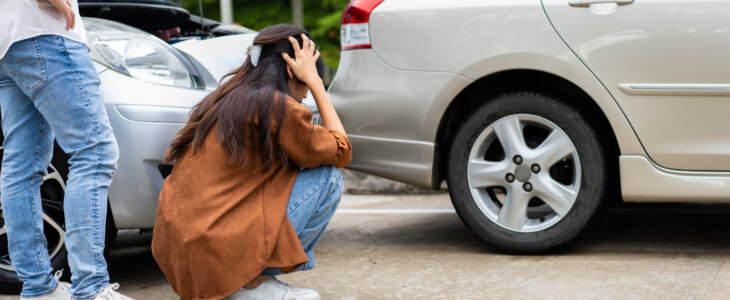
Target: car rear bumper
(391,116)
(401,160)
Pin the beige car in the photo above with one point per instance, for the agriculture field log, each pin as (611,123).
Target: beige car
(539,113)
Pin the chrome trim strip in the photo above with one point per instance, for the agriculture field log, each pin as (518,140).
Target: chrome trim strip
(644,89)
(390,140)
(587,3)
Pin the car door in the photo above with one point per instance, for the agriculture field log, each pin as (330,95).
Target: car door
(667,64)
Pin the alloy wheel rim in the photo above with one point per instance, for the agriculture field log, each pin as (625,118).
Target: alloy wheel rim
(524,173)
(52,192)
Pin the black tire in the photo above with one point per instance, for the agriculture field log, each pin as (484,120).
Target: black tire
(52,197)
(591,192)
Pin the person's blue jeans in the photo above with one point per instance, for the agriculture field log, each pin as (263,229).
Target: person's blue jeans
(49,88)
(313,201)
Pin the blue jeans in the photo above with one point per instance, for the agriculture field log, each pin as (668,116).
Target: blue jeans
(49,88)
(313,201)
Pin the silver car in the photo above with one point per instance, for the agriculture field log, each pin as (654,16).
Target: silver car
(539,113)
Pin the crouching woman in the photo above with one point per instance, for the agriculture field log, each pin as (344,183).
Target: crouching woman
(255,182)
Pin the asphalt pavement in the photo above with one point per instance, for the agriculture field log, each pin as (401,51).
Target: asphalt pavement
(415,247)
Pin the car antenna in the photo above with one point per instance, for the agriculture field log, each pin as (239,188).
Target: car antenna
(202,23)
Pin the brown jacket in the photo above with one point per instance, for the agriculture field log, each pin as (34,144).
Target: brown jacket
(219,225)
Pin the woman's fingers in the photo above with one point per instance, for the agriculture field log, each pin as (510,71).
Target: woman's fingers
(288,59)
(305,43)
(305,57)
(295,44)
(309,46)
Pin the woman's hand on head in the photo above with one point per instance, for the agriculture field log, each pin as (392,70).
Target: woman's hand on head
(304,63)
(304,67)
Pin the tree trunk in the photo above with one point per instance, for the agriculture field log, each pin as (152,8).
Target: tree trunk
(297,12)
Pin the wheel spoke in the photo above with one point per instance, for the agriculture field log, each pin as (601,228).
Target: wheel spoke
(513,214)
(554,148)
(509,132)
(55,176)
(483,173)
(556,195)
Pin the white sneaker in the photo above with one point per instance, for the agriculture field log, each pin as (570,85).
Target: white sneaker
(272,288)
(110,293)
(60,293)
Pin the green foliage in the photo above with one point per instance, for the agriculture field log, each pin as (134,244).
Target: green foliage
(321,18)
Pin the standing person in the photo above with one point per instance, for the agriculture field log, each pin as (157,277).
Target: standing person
(49,87)
(255,182)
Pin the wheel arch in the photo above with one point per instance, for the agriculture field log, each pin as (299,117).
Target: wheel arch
(478,92)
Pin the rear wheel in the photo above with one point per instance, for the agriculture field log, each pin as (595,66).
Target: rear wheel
(527,173)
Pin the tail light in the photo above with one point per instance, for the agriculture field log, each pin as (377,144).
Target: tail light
(355,18)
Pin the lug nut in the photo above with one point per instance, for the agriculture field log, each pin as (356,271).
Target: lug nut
(509,177)
(527,186)
(536,168)
(517,159)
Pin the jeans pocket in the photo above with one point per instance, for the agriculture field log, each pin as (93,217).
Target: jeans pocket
(25,64)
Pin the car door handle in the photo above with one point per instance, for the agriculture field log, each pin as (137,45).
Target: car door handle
(587,3)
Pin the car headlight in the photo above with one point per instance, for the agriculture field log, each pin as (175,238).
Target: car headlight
(139,54)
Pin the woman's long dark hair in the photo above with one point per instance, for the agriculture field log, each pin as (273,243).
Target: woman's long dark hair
(248,106)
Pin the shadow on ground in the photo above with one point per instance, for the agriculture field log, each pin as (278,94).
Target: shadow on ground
(681,228)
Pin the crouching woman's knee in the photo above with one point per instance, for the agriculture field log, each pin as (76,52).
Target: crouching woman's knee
(337,185)
(331,186)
